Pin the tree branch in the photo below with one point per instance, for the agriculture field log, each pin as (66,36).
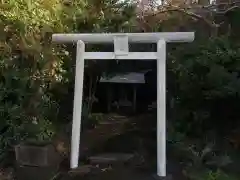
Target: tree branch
(187,11)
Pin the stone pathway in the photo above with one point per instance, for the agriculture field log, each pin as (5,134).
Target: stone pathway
(113,166)
(105,167)
(111,158)
(109,174)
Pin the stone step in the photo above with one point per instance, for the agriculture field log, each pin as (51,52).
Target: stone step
(111,158)
(86,172)
(82,170)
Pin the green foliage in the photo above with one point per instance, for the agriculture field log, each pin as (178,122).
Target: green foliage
(33,71)
(206,77)
(211,175)
(39,131)
(29,66)
(205,88)
(213,66)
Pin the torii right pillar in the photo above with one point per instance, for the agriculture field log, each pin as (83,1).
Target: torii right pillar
(161,108)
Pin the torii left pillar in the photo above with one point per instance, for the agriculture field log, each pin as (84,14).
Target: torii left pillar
(121,52)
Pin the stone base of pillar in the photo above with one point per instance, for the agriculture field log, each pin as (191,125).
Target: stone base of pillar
(156,177)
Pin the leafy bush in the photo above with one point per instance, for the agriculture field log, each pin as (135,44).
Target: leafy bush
(206,79)
(211,175)
(31,66)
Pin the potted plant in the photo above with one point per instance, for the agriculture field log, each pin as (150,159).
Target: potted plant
(37,148)
(36,156)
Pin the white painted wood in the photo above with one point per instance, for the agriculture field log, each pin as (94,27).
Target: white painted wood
(132,37)
(121,47)
(161,108)
(129,56)
(77,107)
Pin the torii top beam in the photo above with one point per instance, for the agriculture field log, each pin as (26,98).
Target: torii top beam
(97,38)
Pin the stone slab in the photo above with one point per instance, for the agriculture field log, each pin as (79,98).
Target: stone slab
(35,173)
(39,156)
(82,170)
(110,158)
(156,177)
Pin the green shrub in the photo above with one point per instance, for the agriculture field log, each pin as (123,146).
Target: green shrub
(206,78)
(211,175)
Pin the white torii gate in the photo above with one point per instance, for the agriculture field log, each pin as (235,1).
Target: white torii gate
(121,52)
